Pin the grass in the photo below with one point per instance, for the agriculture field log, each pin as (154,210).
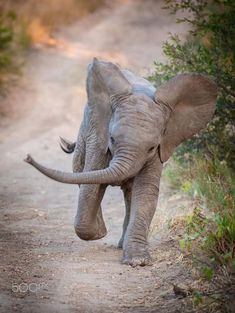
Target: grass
(209,235)
(211,184)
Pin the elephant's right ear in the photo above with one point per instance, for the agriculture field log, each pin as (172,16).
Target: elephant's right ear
(111,78)
(104,80)
(192,99)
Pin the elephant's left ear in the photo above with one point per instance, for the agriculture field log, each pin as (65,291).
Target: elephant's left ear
(192,98)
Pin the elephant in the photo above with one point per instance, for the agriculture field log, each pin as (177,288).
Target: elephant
(128,131)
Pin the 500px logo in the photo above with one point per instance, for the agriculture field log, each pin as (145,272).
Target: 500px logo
(32,287)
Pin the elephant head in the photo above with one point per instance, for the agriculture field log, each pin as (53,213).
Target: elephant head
(133,127)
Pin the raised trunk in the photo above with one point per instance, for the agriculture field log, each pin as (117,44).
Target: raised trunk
(114,174)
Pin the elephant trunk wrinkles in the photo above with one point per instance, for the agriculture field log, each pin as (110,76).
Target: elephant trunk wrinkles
(118,171)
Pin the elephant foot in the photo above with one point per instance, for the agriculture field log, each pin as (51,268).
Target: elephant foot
(100,234)
(86,234)
(137,258)
(91,231)
(90,228)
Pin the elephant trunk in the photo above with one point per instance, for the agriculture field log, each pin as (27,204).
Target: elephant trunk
(118,171)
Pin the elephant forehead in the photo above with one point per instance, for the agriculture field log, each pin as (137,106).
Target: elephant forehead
(134,117)
(135,126)
(138,115)
(138,109)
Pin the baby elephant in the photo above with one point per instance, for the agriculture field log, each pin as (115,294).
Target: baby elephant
(128,131)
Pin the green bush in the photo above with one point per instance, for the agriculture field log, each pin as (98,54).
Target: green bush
(6,43)
(208,176)
(209,233)
(210,49)
(211,183)
(6,37)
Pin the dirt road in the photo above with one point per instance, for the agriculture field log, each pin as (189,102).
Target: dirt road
(44,266)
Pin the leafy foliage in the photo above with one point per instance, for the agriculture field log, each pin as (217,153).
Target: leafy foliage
(210,231)
(6,40)
(208,178)
(210,182)
(210,49)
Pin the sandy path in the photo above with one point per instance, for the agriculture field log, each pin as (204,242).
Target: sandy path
(39,249)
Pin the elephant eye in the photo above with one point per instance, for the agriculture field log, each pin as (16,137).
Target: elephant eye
(151,149)
(112,140)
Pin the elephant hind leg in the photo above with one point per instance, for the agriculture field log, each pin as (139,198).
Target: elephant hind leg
(127,191)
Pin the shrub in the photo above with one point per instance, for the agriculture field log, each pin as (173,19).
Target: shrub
(6,43)
(209,177)
(209,233)
(210,49)
(210,182)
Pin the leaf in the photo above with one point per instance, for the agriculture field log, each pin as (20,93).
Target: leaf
(182,243)
(186,187)
(208,273)
(197,299)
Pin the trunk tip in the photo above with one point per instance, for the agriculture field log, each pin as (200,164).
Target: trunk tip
(28,159)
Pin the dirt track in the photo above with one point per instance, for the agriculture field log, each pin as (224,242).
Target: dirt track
(39,249)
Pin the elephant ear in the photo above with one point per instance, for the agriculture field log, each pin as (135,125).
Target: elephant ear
(192,99)
(104,80)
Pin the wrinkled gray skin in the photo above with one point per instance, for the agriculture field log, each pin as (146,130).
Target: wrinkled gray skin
(128,131)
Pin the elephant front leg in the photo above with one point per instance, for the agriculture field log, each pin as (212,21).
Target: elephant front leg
(127,198)
(143,205)
(89,223)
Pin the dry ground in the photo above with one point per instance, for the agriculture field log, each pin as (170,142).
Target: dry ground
(39,249)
